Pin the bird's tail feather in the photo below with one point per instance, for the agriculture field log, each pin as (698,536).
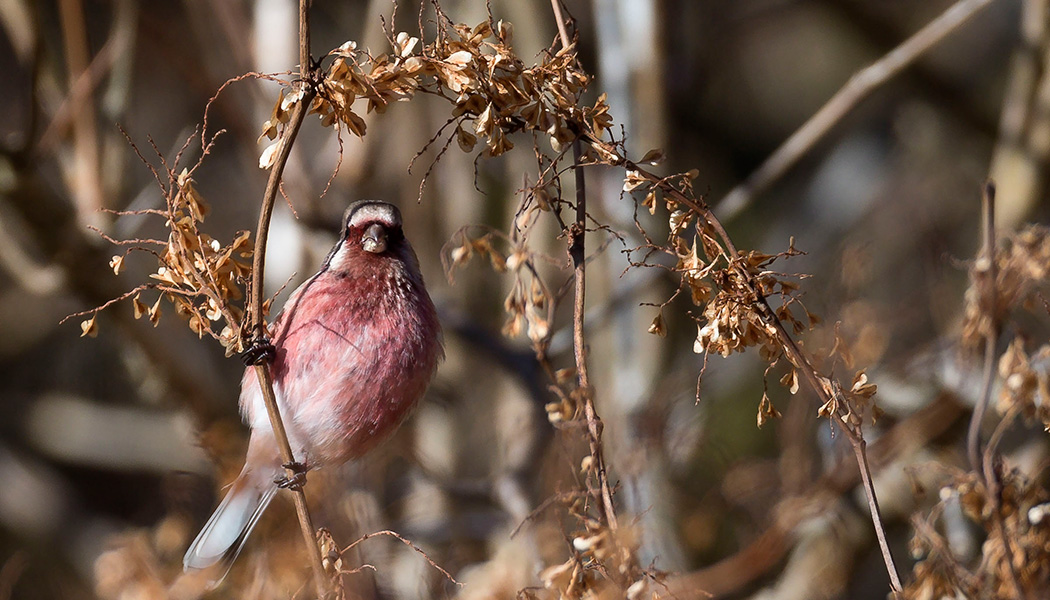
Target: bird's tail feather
(224,535)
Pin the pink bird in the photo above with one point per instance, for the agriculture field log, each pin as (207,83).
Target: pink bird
(353,351)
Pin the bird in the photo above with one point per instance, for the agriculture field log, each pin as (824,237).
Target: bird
(352,352)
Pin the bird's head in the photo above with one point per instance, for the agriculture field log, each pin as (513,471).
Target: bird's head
(372,239)
(374,225)
(371,228)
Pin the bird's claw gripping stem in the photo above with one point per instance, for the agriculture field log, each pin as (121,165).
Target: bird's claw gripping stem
(296,481)
(260,351)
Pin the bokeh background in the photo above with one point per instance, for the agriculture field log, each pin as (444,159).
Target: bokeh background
(113,449)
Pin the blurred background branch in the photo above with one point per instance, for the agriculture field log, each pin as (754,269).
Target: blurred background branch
(859,87)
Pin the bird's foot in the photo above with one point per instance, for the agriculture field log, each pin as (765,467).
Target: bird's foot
(296,481)
(260,351)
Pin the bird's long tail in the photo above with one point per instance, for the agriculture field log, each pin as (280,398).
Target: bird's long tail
(224,535)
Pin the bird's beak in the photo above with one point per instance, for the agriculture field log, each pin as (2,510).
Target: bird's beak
(374,239)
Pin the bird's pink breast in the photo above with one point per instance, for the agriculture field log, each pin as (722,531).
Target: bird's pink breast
(354,355)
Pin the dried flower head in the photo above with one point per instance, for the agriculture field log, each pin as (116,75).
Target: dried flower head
(201,277)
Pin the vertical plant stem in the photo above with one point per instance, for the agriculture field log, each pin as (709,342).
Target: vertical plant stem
(273,184)
(85,174)
(827,390)
(994,489)
(304,39)
(578,253)
(985,276)
(262,370)
(560,19)
(298,495)
(860,450)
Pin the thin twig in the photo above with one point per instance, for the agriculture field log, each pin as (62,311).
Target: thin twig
(262,370)
(272,186)
(991,475)
(860,451)
(87,187)
(80,90)
(993,487)
(562,31)
(305,65)
(577,251)
(406,542)
(827,391)
(985,275)
(859,86)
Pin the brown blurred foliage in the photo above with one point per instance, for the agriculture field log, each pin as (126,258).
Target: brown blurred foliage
(113,448)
